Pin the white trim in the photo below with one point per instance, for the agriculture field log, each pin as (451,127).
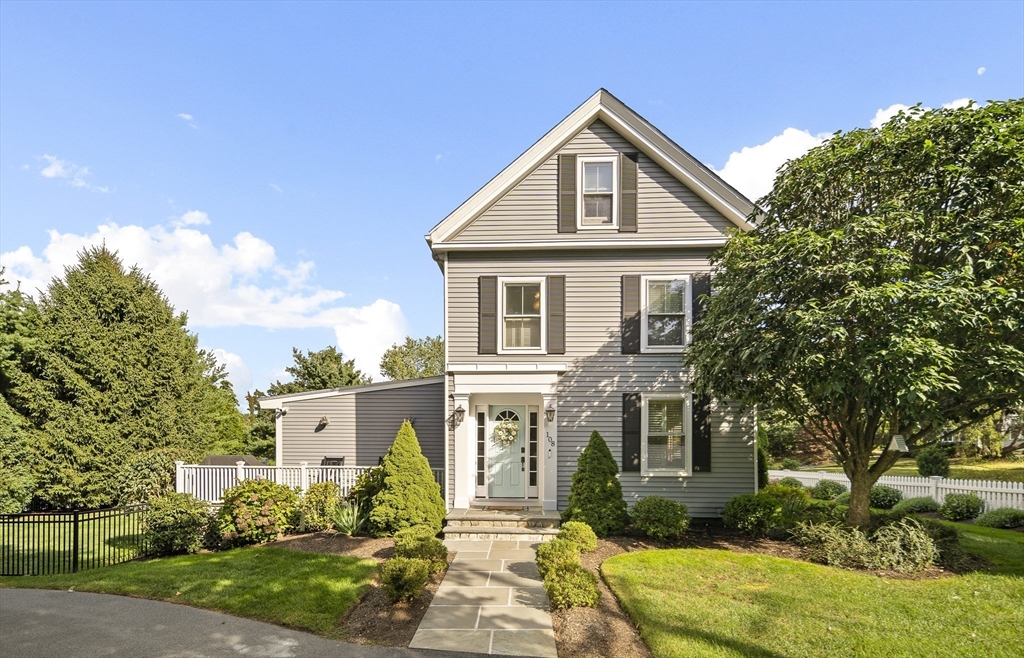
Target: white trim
(687,434)
(620,243)
(275,401)
(447,465)
(687,313)
(507,367)
(581,160)
(602,105)
(542,282)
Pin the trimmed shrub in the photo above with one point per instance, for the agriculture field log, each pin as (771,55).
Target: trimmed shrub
(556,552)
(419,542)
(570,585)
(762,463)
(919,505)
(404,578)
(256,511)
(790,482)
(794,502)
(946,539)
(318,506)
(958,507)
(1004,517)
(842,499)
(595,497)
(661,518)
(176,523)
(827,490)
(933,460)
(903,547)
(884,497)
(580,534)
(350,517)
(790,464)
(752,514)
(148,475)
(410,495)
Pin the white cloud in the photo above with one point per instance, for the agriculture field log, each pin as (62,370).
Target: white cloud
(188,118)
(957,104)
(884,114)
(276,188)
(981,71)
(235,284)
(751,170)
(239,374)
(57,168)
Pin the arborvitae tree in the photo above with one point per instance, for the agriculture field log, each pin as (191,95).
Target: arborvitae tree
(116,374)
(410,495)
(423,357)
(314,371)
(595,497)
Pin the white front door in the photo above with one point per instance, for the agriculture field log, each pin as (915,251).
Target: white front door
(506,460)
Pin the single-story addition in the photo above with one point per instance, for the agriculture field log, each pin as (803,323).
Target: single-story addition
(571,282)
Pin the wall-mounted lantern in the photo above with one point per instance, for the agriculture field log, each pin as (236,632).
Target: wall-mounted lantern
(457,416)
(324,420)
(549,413)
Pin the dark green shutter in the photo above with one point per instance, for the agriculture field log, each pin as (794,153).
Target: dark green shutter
(567,193)
(556,315)
(631,411)
(701,288)
(487,339)
(630,314)
(627,192)
(701,434)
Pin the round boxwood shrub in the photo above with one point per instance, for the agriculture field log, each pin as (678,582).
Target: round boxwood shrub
(556,552)
(842,499)
(919,505)
(752,514)
(580,534)
(660,518)
(595,496)
(570,585)
(410,495)
(790,482)
(1004,517)
(257,511)
(884,497)
(933,460)
(318,505)
(403,578)
(419,542)
(958,507)
(176,523)
(827,490)
(790,464)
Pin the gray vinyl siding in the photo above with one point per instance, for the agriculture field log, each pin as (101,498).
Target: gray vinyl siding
(666,208)
(590,391)
(363,425)
(451,444)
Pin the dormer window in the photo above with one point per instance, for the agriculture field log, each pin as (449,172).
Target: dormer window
(598,185)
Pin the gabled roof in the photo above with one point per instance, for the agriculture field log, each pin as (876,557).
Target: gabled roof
(275,401)
(633,127)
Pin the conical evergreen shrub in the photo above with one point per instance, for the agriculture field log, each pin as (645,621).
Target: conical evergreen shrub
(410,495)
(595,497)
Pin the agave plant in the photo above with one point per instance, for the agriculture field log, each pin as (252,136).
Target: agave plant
(350,517)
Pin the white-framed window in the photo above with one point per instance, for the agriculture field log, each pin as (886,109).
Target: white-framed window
(665,313)
(522,327)
(665,447)
(598,192)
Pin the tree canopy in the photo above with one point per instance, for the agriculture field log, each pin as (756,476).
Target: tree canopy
(882,291)
(326,368)
(417,357)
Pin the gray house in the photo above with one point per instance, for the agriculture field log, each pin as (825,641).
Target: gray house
(571,281)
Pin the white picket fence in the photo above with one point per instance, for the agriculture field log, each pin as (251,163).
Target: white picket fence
(995,493)
(209,482)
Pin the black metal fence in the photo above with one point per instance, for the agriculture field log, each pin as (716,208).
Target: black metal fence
(67,542)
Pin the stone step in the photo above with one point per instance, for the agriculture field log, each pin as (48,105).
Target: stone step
(499,533)
(503,521)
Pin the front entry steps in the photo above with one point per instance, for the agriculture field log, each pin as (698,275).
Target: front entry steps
(529,524)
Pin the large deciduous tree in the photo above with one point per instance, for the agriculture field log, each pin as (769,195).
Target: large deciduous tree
(882,292)
(313,371)
(423,357)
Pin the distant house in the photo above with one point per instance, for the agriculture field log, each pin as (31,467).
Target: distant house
(571,283)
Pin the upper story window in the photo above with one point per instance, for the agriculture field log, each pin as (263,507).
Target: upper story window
(665,313)
(598,192)
(522,307)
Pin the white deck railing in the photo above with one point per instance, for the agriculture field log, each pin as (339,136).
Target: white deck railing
(995,493)
(209,482)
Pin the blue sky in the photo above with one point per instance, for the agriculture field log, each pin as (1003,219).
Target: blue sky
(275,166)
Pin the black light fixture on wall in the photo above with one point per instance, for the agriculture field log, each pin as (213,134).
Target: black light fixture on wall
(549,413)
(456,417)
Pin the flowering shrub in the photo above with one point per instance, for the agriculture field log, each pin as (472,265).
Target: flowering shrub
(256,511)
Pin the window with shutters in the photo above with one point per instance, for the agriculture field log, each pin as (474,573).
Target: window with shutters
(597,205)
(664,448)
(522,325)
(665,313)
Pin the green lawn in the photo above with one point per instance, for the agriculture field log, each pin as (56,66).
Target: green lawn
(959,469)
(699,602)
(305,591)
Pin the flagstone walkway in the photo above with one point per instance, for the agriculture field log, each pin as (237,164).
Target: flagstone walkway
(491,601)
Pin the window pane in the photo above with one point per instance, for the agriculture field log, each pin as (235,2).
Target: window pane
(665,330)
(665,452)
(522,299)
(665,441)
(666,296)
(597,209)
(513,300)
(522,332)
(597,177)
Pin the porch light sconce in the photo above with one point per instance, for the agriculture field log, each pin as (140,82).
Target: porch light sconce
(457,416)
(324,420)
(549,413)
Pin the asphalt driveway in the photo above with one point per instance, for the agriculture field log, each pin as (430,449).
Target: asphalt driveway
(59,624)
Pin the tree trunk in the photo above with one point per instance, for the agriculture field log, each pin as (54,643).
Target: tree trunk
(859,513)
